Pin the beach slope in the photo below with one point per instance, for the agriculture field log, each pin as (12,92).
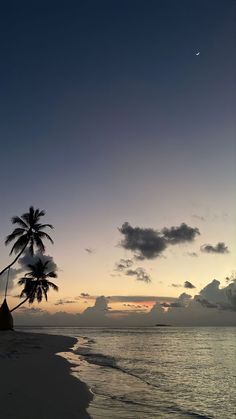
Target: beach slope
(35,382)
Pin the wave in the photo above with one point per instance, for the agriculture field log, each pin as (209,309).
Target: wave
(109,362)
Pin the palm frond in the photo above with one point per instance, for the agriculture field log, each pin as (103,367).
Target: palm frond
(32,298)
(31,246)
(19,244)
(18,220)
(38,226)
(39,243)
(22,281)
(39,294)
(45,294)
(40,213)
(16,233)
(25,217)
(36,286)
(53,286)
(44,235)
(52,274)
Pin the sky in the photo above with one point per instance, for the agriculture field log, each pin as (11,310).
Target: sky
(113,124)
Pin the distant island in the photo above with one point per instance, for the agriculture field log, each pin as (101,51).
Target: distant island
(162,325)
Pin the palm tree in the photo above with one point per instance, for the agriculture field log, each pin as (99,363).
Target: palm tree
(29,232)
(36,284)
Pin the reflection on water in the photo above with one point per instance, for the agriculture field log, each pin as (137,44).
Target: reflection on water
(157,373)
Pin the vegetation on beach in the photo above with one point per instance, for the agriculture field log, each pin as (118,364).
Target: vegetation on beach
(28,236)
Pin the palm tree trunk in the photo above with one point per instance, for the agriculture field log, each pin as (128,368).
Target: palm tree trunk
(20,304)
(26,299)
(14,261)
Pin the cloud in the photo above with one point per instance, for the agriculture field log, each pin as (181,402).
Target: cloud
(218,248)
(176,285)
(206,303)
(63,301)
(134,306)
(198,217)
(184,299)
(101,305)
(192,254)
(140,274)
(147,243)
(29,259)
(183,311)
(123,264)
(181,234)
(224,298)
(13,273)
(165,304)
(138,298)
(83,295)
(30,310)
(89,250)
(189,285)
(98,314)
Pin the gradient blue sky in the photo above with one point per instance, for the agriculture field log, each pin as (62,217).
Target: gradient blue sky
(107,116)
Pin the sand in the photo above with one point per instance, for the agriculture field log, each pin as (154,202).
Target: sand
(35,383)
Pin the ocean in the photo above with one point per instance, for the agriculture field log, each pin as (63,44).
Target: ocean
(156,372)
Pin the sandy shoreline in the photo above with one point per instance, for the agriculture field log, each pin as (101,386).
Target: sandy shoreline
(36,383)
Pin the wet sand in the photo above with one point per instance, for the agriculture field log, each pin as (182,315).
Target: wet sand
(35,382)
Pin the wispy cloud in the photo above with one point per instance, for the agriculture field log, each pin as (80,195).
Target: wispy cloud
(140,274)
(218,248)
(192,254)
(64,301)
(89,250)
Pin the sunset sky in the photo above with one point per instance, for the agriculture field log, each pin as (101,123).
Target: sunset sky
(108,116)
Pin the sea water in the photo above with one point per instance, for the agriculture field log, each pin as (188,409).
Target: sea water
(156,372)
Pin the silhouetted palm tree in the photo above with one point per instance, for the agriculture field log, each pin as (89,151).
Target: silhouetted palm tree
(28,233)
(36,284)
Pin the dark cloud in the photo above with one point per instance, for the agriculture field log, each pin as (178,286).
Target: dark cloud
(83,295)
(176,285)
(192,254)
(29,259)
(145,242)
(13,273)
(231,294)
(189,285)
(89,250)
(206,303)
(218,248)
(134,306)
(138,298)
(140,274)
(176,304)
(165,304)
(123,264)
(224,298)
(98,311)
(184,299)
(181,234)
(63,301)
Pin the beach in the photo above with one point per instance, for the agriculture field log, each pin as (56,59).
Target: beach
(36,382)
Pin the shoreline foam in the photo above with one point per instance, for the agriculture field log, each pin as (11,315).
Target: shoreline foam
(36,382)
